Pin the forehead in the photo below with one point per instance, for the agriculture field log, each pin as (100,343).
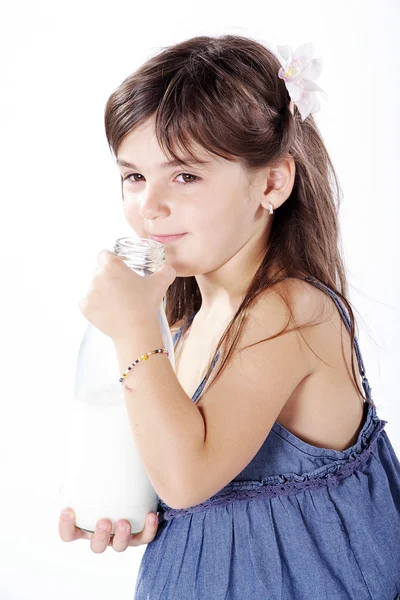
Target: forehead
(141,145)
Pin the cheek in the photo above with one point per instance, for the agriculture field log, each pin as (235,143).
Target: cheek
(227,215)
(220,230)
(133,219)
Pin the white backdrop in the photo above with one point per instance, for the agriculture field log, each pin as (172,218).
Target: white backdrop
(61,204)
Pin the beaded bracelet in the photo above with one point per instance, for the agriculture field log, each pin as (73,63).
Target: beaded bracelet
(143,357)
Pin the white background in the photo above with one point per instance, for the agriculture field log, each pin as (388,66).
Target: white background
(61,204)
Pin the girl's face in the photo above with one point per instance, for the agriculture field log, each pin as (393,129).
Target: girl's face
(211,203)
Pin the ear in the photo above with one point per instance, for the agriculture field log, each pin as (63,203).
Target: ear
(278,182)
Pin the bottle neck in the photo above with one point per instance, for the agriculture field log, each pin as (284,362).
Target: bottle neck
(140,254)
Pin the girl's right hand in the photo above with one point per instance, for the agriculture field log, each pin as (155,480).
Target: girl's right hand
(99,540)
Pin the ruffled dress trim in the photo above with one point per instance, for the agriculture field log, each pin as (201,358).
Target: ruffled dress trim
(352,459)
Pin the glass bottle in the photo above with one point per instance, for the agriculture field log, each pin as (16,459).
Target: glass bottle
(105,476)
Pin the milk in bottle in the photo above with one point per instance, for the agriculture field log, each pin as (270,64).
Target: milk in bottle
(105,477)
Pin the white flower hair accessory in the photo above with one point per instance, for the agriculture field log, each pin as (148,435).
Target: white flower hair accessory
(299,73)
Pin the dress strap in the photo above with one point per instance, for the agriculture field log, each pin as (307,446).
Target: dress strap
(216,357)
(343,312)
(176,336)
(178,332)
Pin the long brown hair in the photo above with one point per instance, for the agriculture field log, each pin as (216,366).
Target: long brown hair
(225,94)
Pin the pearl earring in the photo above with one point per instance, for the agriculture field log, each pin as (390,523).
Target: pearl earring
(271,208)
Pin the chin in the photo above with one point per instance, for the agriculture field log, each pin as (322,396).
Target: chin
(181,270)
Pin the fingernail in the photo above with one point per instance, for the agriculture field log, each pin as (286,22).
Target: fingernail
(102,526)
(152,519)
(66,514)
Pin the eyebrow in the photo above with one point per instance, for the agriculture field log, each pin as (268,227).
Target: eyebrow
(166,164)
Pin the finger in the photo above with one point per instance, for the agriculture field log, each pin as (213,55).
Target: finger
(122,536)
(103,256)
(147,535)
(66,527)
(101,537)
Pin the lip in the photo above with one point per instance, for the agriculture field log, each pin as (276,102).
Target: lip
(165,239)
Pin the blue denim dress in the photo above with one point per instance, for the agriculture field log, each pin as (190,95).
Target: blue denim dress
(298,523)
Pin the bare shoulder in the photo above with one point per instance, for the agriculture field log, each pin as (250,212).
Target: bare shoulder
(288,305)
(308,303)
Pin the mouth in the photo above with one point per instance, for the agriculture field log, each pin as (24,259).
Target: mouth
(166,238)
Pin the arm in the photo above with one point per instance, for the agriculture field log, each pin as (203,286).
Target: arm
(192,451)
(167,426)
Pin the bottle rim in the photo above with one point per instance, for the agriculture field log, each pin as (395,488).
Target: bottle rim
(140,252)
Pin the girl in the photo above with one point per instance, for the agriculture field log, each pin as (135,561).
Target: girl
(296,491)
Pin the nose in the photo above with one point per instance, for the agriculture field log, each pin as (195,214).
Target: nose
(151,203)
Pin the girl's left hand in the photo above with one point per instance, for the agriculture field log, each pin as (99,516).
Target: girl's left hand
(120,300)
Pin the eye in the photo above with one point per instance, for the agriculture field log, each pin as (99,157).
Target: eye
(194,180)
